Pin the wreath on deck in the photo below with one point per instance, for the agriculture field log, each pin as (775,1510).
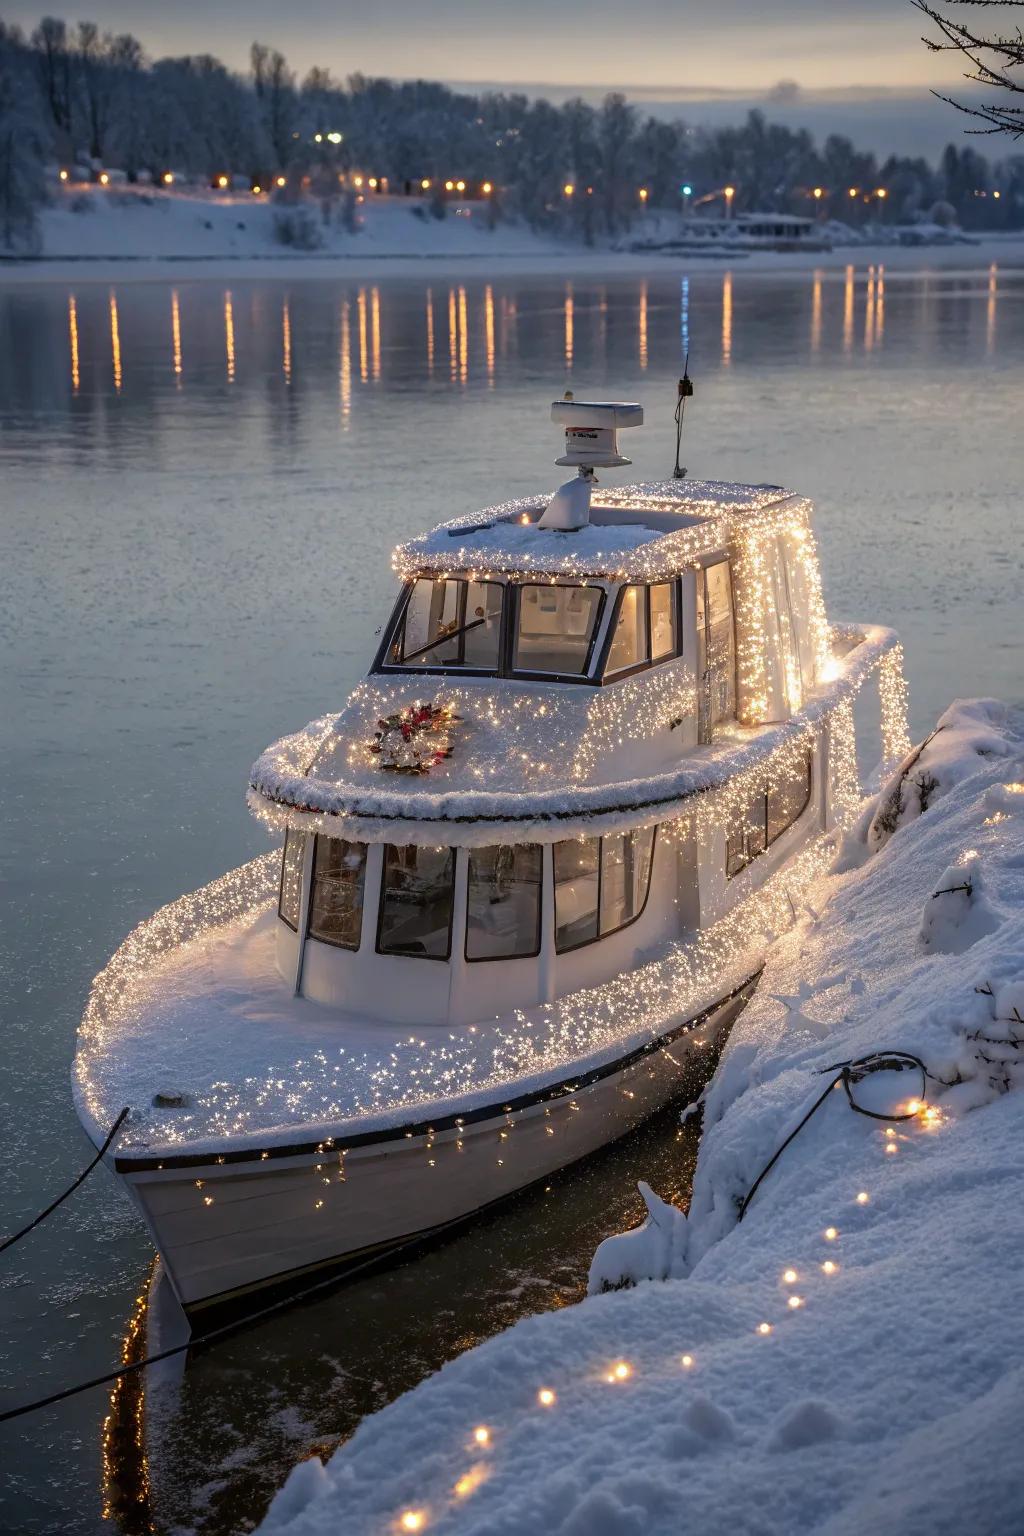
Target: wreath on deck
(415,739)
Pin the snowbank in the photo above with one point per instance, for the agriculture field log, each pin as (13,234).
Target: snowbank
(848,1356)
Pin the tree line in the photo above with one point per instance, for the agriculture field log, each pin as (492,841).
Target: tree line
(73,95)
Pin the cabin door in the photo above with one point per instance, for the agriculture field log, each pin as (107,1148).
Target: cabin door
(716,649)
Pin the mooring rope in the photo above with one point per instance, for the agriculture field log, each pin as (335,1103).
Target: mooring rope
(9,1242)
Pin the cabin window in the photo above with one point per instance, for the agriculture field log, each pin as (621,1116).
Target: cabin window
(503,908)
(629,643)
(601,885)
(336,897)
(556,627)
(767,816)
(289,899)
(450,622)
(788,799)
(416,902)
(645,627)
(663,620)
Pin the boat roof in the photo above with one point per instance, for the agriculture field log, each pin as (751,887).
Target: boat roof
(636,532)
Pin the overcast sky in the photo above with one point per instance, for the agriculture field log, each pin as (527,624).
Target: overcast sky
(843,55)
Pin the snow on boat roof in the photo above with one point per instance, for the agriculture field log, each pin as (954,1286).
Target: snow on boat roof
(636,531)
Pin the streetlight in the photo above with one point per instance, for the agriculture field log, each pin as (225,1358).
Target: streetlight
(568,189)
(687,192)
(425,184)
(460,186)
(281,181)
(730,193)
(818,192)
(222,182)
(449,186)
(372,183)
(852,192)
(63,175)
(487,189)
(643,194)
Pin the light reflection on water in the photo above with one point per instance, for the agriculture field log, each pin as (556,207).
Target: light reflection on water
(202,484)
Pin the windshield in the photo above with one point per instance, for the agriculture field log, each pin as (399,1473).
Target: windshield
(556,628)
(452,621)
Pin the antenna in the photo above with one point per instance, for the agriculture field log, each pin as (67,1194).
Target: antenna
(685,391)
(590,443)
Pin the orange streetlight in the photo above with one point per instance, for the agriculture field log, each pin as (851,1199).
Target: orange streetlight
(372,183)
(257,189)
(460,186)
(222,182)
(168,178)
(730,193)
(487,189)
(104,179)
(425,184)
(881,192)
(63,175)
(568,189)
(643,194)
(357,181)
(281,181)
(449,186)
(818,193)
(852,192)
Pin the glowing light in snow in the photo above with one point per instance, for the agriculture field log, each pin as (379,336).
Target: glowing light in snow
(830,1267)
(790,1276)
(795,1301)
(863,1197)
(546,1397)
(413,1520)
(621,1371)
(831,1233)
(687,1362)
(482,1435)
(764,1328)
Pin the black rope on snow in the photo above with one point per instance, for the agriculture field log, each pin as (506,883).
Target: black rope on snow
(847,1073)
(215,1334)
(9,1242)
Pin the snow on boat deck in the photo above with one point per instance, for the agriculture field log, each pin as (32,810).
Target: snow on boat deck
(891,1396)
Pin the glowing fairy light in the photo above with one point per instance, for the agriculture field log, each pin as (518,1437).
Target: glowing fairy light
(831,1233)
(546,1397)
(863,1197)
(829,1267)
(764,1329)
(790,1276)
(686,1361)
(620,1371)
(413,1520)
(482,1435)
(795,1302)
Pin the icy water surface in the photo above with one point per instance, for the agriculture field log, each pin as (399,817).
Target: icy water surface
(201,485)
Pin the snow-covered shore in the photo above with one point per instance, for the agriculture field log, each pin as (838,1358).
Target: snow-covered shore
(104,234)
(847,1357)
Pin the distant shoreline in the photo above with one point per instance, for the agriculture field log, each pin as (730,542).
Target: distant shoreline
(1007,252)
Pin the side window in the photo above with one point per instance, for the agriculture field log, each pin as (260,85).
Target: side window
(629,644)
(503,908)
(645,627)
(416,902)
(556,627)
(289,899)
(663,620)
(767,816)
(789,799)
(601,885)
(336,898)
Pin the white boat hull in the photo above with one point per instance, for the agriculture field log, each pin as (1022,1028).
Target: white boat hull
(230,1226)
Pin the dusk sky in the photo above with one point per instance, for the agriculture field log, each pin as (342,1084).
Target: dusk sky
(859,69)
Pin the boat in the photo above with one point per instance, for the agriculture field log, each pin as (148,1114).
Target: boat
(735,235)
(522,881)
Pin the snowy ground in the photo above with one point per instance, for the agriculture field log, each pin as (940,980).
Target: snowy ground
(879,1386)
(98,233)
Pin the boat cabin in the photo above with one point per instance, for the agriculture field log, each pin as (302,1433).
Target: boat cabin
(676,623)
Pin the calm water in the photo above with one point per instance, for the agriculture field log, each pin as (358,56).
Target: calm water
(201,487)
